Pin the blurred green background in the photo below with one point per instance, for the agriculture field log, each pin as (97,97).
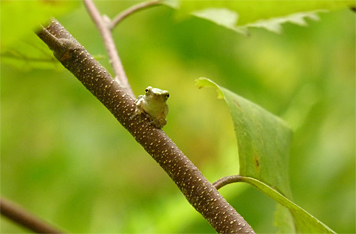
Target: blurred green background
(65,158)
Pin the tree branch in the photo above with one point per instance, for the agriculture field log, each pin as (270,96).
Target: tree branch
(114,58)
(121,16)
(24,218)
(201,194)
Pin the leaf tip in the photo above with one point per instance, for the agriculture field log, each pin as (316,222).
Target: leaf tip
(205,82)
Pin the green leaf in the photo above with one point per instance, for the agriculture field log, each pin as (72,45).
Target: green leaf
(21,17)
(20,47)
(30,53)
(263,142)
(241,15)
(305,222)
(283,219)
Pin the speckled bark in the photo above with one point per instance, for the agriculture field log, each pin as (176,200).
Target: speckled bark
(200,193)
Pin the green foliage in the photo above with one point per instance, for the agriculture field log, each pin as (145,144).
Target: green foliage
(263,140)
(35,13)
(27,54)
(19,46)
(263,143)
(304,222)
(240,15)
(65,158)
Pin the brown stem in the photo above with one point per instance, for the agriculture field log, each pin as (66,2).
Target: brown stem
(200,193)
(227,180)
(108,40)
(24,218)
(131,10)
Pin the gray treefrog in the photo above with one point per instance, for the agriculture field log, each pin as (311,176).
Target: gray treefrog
(154,104)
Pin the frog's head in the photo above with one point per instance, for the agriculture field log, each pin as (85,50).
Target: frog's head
(156,94)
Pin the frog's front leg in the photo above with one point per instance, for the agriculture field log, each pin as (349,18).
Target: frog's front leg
(138,107)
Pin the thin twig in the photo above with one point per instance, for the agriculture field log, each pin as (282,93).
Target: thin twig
(106,35)
(227,180)
(132,10)
(24,218)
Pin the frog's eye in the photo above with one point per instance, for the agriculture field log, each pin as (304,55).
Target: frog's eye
(148,89)
(167,95)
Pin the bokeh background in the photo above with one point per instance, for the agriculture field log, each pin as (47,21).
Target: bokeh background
(65,158)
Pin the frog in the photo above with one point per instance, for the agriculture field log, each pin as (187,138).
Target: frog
(154,105)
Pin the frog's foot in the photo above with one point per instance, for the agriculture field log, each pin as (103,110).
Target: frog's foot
(158,123)
(137,112)
(142,115)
